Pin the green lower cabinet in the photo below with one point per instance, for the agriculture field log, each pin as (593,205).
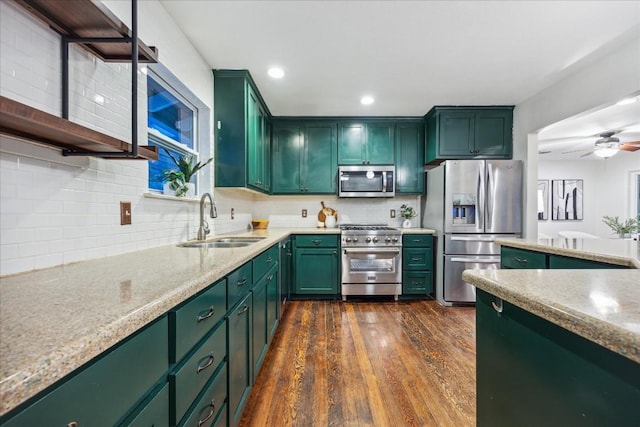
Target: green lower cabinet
(259,325)
(417,283)
(417,265)
(531,372)
(107,390)
(316,265)
(210,403)
(513,258)
(560,262)
(153,413)
(273,303)
(239,355)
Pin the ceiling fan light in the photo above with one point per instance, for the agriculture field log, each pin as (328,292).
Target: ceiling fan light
(605,152)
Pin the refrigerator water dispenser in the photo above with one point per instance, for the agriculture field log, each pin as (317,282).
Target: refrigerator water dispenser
(464,208)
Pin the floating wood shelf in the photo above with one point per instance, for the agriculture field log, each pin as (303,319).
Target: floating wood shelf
(23,121)
(87,19)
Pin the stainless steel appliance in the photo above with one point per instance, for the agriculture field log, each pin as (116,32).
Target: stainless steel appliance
(470,203)
(371,260)
(366,181)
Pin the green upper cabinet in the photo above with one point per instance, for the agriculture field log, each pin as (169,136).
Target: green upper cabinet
(366,142)
(304,157)
(469,132)
(242,132)
(409,157)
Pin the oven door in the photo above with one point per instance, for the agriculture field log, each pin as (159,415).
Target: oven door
(371,265)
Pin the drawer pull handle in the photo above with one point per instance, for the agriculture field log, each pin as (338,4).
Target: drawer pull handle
(269,259)
(416,240)
(72,424)
(270,278)
(415,259)
(521,260)
(210,360)
(244,310)
(497,306)
(316,241)
(242,282)
(212,411)
(210,313)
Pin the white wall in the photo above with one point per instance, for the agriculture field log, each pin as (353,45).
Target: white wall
(596,81)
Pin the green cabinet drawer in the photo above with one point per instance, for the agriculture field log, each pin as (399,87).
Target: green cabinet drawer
(154,413)
(211,401)
(190,376)
(239,284)
(265,261)
(417,258)
(312,241)
(521,259)
(417,283)
(105,391)
(417,240)
(559,262)
(189,323)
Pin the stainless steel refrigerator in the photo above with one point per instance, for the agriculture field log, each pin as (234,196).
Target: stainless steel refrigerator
(470,203)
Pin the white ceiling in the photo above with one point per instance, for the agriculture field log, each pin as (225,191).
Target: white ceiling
(409,55)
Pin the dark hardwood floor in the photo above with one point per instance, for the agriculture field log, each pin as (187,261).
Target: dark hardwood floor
(368,363)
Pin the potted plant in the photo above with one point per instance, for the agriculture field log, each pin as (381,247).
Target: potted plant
(178,180)
(622,229)
(407,212)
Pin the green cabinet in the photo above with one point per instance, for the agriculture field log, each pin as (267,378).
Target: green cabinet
(366,142)
(105,391)
(417,264)
(286,272)
(533,372)
(304,157)
(409,146)
(468,133)
(239,355)
(241,132)
(562,262)
(316,265)
(516,258)
(259,325)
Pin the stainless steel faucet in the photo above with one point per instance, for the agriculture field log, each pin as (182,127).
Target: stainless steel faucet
(203,230)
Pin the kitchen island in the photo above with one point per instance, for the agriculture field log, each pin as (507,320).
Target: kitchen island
(559,347)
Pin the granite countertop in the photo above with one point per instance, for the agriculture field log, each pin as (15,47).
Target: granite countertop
(602,306)
(418,231)
(54,320)
(612,251)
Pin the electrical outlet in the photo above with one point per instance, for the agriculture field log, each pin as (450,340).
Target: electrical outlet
(233,213)
(125,213)
(392,214)
(304,213)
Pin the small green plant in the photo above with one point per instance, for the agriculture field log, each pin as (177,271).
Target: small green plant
(187,166)
(630,225)
(407,212)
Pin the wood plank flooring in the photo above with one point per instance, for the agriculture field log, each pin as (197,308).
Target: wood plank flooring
(368,363)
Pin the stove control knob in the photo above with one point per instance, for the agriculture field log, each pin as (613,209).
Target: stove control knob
(395,240)
(368,239)
(375,240)
(387,239)
(355,239)
(348,239)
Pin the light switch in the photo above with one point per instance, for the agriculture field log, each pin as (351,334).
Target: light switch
(125,213)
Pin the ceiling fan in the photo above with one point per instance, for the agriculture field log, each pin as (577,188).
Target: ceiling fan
(608,145)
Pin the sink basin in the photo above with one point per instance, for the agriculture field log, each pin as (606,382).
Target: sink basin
(222,242)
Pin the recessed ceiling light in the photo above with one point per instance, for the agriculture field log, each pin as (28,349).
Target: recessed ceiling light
(627,101)
(367,100)
(276,72)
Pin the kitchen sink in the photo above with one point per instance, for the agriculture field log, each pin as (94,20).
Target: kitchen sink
(222,242)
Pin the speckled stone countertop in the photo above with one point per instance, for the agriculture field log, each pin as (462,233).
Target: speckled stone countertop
(52,321)
(602,306)
(612,251)
(417,231)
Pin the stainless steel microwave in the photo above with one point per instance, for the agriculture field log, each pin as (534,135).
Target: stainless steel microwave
(366,181)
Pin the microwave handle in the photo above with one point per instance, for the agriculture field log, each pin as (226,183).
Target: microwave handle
(384,182)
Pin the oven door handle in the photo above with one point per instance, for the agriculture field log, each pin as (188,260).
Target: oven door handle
(371,250)
(477,260)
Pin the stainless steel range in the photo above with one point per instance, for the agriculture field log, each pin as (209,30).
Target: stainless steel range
(371,260)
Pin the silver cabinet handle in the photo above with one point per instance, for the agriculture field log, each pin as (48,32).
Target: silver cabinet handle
(521,260)
(242,282)
(497,306)
(210,360)
(269,259)
(244,310)
(316,241)
(212,411)
(210,313)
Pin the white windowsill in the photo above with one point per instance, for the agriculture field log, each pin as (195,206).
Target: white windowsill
(153,195)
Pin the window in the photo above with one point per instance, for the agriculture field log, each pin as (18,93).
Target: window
(174,117)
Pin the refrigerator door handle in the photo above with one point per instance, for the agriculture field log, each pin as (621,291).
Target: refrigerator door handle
(481,195)
(477,260)
(489,222)
(473,239)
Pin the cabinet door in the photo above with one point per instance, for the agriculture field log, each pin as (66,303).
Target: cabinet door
(259,325)
(239,324)
(288,143)
(380,143)
(409,158)
(493,133)
(265,151)
(254,134)
(320,158)
(273,306)
(351,143)
(559,262)
(455,136)
(316,271)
